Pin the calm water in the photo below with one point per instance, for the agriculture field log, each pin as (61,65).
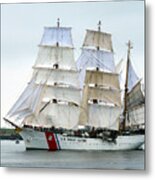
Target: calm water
(14,155)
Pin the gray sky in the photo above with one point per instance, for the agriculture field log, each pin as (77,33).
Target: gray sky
(22,28)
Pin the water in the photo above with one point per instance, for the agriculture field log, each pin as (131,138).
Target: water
(15,155)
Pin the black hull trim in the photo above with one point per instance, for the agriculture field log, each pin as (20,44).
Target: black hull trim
(29,149)
(39,149)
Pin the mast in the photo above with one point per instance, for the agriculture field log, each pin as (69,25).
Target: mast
(52,97)
(97,53)
(58,22)
(126,85)
(99,30)
(61,98)
(101,101)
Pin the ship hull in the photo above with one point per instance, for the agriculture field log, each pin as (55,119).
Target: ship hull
(53,141)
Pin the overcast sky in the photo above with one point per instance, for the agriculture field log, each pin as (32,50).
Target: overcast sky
(22,28)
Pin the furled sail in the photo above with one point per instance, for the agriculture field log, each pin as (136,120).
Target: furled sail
(98,39)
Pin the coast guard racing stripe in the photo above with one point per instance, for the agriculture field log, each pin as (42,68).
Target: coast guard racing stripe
(51,141)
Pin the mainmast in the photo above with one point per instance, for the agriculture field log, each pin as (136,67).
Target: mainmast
(101,100)
(97,52)
(126,85)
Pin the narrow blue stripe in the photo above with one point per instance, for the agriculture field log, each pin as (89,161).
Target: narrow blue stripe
(57,141)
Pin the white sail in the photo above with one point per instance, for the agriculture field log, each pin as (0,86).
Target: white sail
(121,70)
(91,59)
(94,58)
(60,115)
(55,77)
(49,56)
(120,66)
(132,77)
(19,118)
(63,94)
(103,116)
(135,96)
(31,120)
(107,95)
(59,76)
(136,115)
(98,39)
(26,103)
(102,78)
(104,96)
(57,35)
(102,85)
(25,100)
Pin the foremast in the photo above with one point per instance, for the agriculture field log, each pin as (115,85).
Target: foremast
(52,97)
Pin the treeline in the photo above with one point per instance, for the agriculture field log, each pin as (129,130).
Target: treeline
(9,134)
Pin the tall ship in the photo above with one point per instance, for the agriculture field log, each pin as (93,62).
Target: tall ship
(78,105)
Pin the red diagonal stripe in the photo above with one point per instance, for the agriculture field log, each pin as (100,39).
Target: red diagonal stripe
(51,141)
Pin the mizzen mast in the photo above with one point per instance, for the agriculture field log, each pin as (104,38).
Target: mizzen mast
(126,85)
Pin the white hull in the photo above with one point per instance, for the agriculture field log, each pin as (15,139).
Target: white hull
(51,141)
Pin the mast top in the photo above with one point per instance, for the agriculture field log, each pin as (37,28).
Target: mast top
(58,22)
(99,26)
(129,44)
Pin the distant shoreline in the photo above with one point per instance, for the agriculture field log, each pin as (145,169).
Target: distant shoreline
(10,138)
(9,134)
